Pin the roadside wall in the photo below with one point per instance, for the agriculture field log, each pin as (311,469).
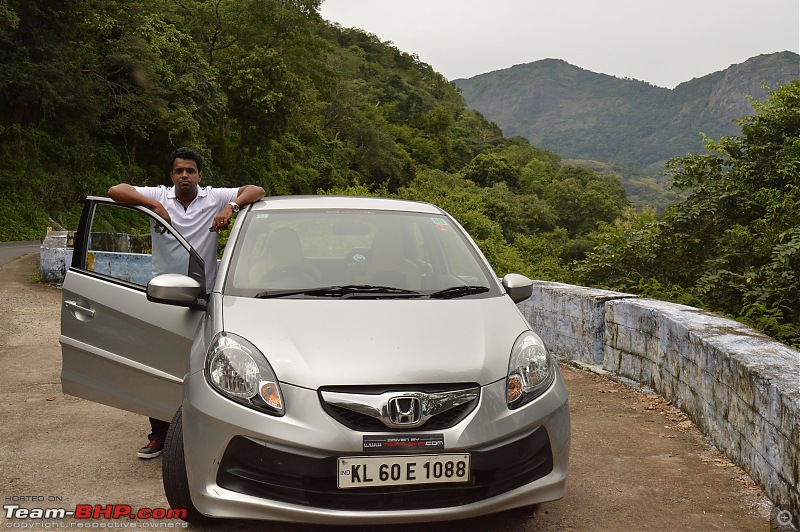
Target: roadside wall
(570,319)
(741,388)
(55,255)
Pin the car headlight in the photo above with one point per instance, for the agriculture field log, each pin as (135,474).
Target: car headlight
(530,370)
(239,371)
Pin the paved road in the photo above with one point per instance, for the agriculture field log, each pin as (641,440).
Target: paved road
(636,463)
(12,250)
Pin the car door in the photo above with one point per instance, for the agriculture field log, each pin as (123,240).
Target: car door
(117,347)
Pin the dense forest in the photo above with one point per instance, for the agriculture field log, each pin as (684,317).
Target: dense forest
(94,92)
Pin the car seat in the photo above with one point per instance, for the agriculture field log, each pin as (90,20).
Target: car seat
(388,266)
(283,264)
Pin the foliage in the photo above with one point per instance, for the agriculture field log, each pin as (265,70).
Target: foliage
(582,198)
(97,92)
(734,243)
(643,191)
(270,94)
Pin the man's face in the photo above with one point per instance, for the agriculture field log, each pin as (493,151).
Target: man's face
(185,175)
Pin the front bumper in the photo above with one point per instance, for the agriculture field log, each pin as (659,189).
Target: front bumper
(244,464)
(307,478)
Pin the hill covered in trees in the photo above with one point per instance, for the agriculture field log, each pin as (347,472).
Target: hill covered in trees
(584,115)
(94,93)
(97,92)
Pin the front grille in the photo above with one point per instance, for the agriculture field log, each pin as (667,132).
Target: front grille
(362,422)
(309,478)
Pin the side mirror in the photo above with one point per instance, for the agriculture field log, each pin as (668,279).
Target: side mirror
(176,289)
(518,287)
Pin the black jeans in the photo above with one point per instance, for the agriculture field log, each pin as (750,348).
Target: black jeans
(159,429)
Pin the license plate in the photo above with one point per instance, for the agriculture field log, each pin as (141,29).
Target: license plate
(370,471)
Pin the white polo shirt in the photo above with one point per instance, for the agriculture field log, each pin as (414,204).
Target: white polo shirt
(193,224)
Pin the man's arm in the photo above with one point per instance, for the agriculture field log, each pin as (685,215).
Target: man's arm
(125,193)
(248,194)
(245,195)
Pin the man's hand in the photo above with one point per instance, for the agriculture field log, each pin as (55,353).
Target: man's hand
(160,210)
(222,219)
(244,196)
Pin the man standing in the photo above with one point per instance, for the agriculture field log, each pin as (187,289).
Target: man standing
(198,213)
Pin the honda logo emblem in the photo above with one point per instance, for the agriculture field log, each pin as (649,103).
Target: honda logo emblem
(405,410)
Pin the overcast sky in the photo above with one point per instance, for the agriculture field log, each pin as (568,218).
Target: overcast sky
(664,42)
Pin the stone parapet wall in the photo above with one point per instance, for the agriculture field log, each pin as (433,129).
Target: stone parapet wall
(740,387)
(570,319)
(135,268)
(55,255)
(55,258)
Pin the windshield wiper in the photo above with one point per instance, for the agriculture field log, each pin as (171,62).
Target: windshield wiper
(343,292)
(458,291)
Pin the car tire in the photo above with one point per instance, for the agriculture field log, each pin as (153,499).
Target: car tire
(173,473)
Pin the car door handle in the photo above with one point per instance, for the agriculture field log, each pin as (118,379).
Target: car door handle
(72,305)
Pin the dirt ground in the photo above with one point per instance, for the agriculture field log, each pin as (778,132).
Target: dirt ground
(636,463)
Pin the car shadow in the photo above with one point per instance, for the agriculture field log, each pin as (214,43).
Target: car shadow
(508,520)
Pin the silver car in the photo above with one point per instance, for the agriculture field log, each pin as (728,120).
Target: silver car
(357,362)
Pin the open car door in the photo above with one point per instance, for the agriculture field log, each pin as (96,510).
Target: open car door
(117,347)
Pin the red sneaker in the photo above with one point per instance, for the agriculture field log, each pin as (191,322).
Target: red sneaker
(153,449)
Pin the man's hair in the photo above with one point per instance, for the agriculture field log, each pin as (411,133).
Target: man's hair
(186,153)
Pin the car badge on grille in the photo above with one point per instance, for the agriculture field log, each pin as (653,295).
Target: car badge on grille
(405,410)
(400,409)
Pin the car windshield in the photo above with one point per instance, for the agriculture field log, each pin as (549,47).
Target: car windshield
(355,254)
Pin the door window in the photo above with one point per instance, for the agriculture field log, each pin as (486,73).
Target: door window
(128,245)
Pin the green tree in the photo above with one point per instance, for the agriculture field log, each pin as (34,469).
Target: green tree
(582,198)
(487,169)
(733,244)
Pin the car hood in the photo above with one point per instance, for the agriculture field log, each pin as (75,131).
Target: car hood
(327,342)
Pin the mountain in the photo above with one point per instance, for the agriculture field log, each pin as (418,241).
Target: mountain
(581,114)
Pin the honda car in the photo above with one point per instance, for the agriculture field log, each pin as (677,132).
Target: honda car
(358,361)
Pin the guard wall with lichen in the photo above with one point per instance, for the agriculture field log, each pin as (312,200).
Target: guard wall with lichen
(741,388)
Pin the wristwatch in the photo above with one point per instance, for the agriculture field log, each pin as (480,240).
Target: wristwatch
(234,206)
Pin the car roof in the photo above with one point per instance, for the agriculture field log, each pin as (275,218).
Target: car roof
(343,202)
